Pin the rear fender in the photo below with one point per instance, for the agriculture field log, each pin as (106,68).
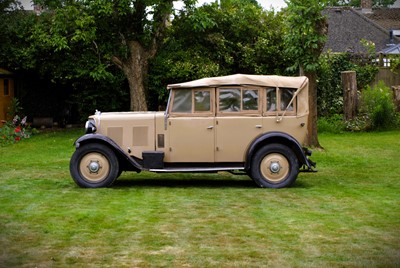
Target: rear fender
(276,137)
(121,154)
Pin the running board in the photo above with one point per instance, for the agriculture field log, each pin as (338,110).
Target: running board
(198,169)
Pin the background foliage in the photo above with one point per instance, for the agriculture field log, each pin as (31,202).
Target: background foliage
(330,92)
(73,48)
(378,108)
(67,67)
(212,40)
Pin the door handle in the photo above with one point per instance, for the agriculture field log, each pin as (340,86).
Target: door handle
(210,127)
(258,126)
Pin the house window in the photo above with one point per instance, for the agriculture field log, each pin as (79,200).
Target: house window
(280,100)
(6,87)
(232,100)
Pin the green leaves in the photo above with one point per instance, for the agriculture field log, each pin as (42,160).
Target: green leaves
(305,33)
(378,106)
(100,73)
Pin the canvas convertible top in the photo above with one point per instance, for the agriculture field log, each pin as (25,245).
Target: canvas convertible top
(245,79)
(299,82)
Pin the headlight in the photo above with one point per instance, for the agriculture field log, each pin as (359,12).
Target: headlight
(90,126)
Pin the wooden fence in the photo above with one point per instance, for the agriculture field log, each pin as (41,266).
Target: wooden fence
(392,80)
(389,77)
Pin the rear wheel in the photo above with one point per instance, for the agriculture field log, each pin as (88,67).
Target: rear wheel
(94,165)
(274,166)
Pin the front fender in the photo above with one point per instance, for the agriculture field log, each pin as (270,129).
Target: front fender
(93,138)
(276,137)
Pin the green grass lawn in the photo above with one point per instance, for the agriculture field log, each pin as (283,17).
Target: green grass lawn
(346,215)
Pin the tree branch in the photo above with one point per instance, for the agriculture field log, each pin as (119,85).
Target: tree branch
(118,62)
(161,18)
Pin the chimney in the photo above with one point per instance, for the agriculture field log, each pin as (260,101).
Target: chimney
(366,6)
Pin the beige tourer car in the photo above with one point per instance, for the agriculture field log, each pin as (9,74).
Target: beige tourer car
(251,124)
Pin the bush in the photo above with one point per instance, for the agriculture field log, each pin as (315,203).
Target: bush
(330,92)
(377,107)
(16,129)
(331,124)
(359,123)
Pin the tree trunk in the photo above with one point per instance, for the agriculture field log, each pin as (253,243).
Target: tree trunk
(312,137)
(349,85)
(135,69)
(136,66)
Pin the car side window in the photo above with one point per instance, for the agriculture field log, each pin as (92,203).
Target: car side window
(286,97)
(238,100)
(271,99)
(202,101)
(182,101)
(191,101)
(278,100)
(250,99)
(229,100)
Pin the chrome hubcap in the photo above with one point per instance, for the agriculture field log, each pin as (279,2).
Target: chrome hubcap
(275,167)
(94,167)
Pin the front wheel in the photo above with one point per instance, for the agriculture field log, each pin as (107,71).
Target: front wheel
(274,166)
(94,165)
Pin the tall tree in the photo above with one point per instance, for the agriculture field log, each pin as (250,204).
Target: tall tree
(305,39)
(126,33)
(15,24)
(236,36)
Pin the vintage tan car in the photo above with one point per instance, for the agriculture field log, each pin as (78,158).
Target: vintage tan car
(252,124)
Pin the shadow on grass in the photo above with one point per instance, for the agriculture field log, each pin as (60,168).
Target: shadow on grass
(185,183)
(205,182)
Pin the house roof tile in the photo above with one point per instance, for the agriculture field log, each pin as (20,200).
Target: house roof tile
(388,18)
(348,26)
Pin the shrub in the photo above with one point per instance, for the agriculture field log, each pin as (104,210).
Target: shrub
(16,129)
(330,92)
(331,124)
(378,108)
(359,123)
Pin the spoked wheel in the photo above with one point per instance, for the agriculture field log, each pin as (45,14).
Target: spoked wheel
(94,165)
(274,166)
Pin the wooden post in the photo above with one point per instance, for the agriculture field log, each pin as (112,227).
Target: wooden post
(396,96)
(349,85)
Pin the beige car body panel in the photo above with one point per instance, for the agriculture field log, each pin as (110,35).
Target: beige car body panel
(212,136)
(134,132)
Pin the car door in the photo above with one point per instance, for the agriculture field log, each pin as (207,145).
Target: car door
(191,126)
(238,122)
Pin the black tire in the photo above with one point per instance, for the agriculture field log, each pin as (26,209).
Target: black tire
(274,166)
(94,165)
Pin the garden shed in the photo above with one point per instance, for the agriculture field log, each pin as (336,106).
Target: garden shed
(6,92)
